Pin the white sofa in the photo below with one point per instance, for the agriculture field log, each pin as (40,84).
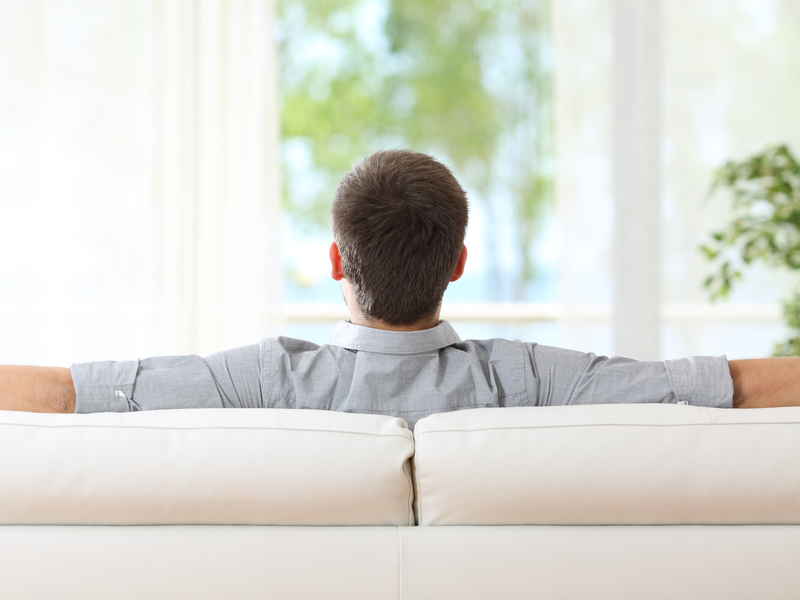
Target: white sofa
(565,502)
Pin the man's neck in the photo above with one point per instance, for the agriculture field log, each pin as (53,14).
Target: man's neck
(357,318)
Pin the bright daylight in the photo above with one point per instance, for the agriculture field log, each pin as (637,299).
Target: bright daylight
(399,299)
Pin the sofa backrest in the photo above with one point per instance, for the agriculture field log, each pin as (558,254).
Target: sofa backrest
(609,464)
(205,466)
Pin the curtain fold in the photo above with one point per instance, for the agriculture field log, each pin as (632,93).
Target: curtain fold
(139,165)
(218,168)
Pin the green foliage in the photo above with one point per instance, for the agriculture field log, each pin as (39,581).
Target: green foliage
(469,81)
(791,313)
(765,227)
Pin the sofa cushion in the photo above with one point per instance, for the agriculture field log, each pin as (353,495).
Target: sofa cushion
(205,466)
(609,464)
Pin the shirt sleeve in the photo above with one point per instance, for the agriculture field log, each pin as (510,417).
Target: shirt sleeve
(561,376)
(230,379)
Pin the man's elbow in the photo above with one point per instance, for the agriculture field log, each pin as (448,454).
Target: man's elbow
(62,398)
(63,403)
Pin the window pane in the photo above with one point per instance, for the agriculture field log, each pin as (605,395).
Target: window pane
(469,82)
(731,90)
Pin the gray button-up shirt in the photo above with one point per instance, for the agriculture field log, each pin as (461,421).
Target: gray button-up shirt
(402,374)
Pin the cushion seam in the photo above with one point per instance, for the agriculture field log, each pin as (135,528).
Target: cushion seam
(211,428)
(614,424)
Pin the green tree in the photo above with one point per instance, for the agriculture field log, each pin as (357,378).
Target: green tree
(468,81)
(765,228)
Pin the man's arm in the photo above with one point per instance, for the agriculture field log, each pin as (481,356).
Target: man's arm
(37,389)
(765,382)
(757,383)
(225,379)
(569,377)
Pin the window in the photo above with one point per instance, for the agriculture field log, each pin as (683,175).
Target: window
(711,81)
(145,146)
(469,82)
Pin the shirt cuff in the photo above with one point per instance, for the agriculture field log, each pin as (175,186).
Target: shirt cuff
(104,386)
(701,381)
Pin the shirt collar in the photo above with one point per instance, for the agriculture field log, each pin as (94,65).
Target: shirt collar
(357,337)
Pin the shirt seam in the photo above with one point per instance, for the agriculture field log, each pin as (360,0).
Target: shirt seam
(525,367)
(521,384)
(393,352)
(265,399)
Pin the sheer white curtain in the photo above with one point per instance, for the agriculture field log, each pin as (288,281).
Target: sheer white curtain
(651,97)
(138,178)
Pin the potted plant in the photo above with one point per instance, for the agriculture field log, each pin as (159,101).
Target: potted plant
(765,227)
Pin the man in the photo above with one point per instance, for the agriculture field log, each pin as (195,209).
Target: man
(399,220)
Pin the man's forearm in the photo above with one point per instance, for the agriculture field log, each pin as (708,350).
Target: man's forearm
(37,389)
(764,382)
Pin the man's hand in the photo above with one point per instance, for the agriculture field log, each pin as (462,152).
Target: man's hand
(37,389)
(765,382)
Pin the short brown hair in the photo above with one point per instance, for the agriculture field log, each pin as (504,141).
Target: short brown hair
(399,220)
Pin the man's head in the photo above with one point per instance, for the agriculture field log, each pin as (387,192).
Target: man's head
(399,220)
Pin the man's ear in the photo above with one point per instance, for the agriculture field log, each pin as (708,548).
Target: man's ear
(336,263)
(458,271)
